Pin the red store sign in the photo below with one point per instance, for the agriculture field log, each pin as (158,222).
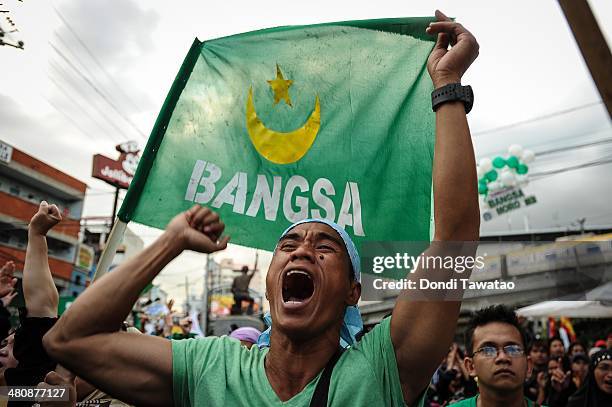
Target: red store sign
(118,173)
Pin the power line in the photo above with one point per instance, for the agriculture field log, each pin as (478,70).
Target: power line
(540,175)
(93,57)
(91,75)
(66,78)
(568,148)
(78,127)
(74,56)
(80,107)
(572,137)
(535,119)
(96,89)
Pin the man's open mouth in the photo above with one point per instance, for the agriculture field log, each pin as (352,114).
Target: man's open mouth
(297,286)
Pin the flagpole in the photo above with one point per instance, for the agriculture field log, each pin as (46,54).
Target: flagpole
(106,259)
(204,312)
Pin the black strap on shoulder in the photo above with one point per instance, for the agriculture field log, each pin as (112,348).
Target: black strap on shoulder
(319,397)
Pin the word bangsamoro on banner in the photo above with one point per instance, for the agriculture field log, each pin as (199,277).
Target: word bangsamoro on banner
(506,200)
(500,182)
(270,127)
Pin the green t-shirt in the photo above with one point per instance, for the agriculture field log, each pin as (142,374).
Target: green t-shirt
(471,402)
(220,372)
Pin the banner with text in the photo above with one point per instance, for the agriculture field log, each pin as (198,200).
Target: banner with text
(273,126)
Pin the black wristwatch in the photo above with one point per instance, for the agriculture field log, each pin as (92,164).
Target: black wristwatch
(452,92)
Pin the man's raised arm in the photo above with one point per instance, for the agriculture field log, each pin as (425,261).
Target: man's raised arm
(87,340)
(421,332)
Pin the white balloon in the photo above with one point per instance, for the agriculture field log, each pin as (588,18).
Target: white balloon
(479,172)
(508,179)
(515,150)
(485,165)
(528,156)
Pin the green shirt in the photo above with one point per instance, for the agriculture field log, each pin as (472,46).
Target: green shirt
(220,372)
(471,402)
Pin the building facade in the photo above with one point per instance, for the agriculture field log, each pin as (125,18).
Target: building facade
(24,182)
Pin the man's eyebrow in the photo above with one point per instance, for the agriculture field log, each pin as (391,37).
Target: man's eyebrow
(506,343)
(488,343)
(291,236)
(325,235)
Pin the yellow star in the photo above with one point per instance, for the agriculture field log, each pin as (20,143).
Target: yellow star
(280,86)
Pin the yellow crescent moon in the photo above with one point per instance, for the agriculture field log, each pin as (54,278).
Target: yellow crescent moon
(279,147)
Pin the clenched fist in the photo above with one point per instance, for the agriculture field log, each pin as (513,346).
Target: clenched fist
(448,65)
(46,217)
(7,279)
(198,229)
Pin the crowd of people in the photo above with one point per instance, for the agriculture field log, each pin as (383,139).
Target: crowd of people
(498,362)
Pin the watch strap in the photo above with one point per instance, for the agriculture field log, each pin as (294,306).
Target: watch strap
(452,92)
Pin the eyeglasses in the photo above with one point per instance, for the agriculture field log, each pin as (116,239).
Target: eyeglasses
(514,351)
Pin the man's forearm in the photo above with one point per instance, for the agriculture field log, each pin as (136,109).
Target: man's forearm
(456,211)
(456,219)
(41,297)
(104,305)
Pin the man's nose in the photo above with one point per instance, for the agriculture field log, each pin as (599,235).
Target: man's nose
(502,357)
(304,251)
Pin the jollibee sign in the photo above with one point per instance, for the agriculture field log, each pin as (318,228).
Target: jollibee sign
(120,172)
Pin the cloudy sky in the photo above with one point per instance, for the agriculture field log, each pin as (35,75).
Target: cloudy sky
(95,73)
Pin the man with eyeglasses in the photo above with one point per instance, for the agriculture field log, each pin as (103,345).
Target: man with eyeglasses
(496,358)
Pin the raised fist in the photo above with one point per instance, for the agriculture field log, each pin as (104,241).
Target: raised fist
(7,280)
(198,229)
(448,65)
(46,217)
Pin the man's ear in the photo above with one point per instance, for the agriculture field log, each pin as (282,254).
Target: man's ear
(354,293)
(469,365)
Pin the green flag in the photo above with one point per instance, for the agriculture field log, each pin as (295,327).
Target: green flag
(273,126)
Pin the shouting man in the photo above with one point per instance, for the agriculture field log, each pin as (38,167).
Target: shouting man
(312,285)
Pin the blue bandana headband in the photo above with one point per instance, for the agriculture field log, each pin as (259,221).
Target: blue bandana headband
(352,323)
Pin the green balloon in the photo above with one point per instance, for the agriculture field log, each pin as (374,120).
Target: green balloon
(491,175)
(499,162)
(483,180)
(513,161)
(482,189)
(522,169)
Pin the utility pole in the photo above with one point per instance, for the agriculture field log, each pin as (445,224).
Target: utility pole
(188,308)
(581,222)
(592,44)
(204,313)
